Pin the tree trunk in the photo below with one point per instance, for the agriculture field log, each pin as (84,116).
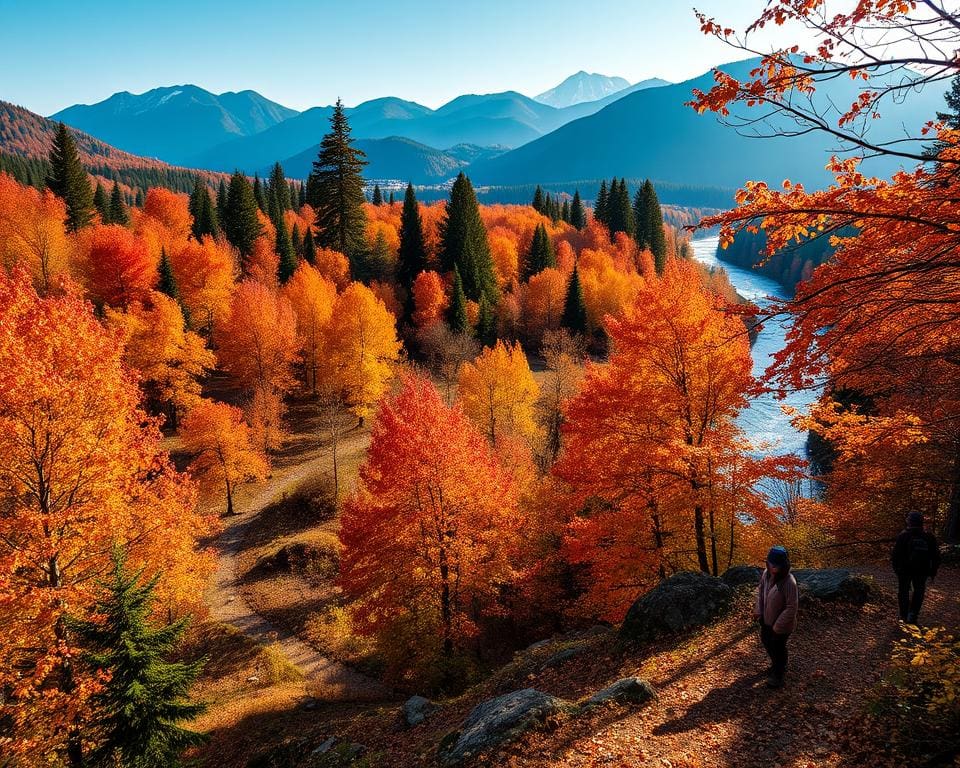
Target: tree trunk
(713,544)
(952,533)
(229,498)
(658,539)
(445,613)
(701,539)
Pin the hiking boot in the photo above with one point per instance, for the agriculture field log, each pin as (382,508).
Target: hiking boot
(774,682)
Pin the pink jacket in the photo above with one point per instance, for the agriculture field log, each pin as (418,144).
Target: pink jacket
(777,603)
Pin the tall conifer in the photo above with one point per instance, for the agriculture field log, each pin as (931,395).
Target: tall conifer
(463,243)
(68,180)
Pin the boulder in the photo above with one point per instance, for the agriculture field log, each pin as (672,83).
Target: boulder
(498,721)
(742,576)
(558,658)
(416,709)
(832,584)
(681,602)
(631,690)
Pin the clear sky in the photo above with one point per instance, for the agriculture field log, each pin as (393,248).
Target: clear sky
(54,53)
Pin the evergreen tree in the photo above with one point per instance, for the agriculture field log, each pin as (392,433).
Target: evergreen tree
(118,211)
(167,283)
(619,209)
(375,264)
(293,197)
(204,216)
(288,256)
(240,222)
(541,253)
(600,207)
(68,180)
(335,190)
(574,317)
(146,698)
(578,216)
(309,248)
(565,211)
(538,200)
(950,119)
(391,197)
(296,240)
(463,243)
(377,195)
(258,194)
(221,200)
(101,204)
(486,331)
(649,232)
(457,313)
(303,194)
(138,199)
(412,255)
(278,187)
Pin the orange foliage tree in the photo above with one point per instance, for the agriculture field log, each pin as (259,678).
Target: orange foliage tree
(361,348)
(32,233)
(312,297)
(430,535)
(82,469)
(224,453)
(117,267)
(204,273)
(169,358)
(429,299)
(877,324)
(655,465)
(499,394)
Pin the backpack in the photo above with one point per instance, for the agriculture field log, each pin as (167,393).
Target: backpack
(918,553)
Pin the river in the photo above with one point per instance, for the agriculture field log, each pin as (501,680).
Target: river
(763,421)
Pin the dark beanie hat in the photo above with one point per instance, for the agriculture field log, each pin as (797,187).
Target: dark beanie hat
(778,556)
(915,520)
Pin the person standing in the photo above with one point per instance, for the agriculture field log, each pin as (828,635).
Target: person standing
(915,558)
(776,608)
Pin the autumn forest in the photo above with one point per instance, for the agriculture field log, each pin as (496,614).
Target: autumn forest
(335,470)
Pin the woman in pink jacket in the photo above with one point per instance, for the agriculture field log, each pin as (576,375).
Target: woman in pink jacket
(776,608)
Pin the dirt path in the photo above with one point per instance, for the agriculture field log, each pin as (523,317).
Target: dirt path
(333,680)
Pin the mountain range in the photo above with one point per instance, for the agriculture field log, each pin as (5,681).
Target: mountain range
(170,123)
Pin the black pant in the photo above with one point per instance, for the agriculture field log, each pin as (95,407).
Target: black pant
(910,606)
(776,646)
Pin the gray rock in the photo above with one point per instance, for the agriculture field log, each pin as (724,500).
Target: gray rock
(831,584)
(325,746)
(681,602)
(561,656)
(500,720)
(741,576)
(416,709)
(632,690)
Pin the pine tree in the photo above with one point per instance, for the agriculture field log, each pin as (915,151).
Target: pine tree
(303,194)
(68,180)
(309,248)
(649,216)
(463,243)
(457,313)
(377,195)
(486,331)
(204,216)
(278,187)
(101,204)
(335,190)
(574,317)
(146,697)
(412,255)
(950,119)
(578,216)
(296,240)
(167,283)
(138,199)
(240,222)
(538,200)
(391,197)
(600,207)
(221,200)
(541,253)
(118,211)
(258,194)
(292,196)
(619,209)
(375,263)
(565,211)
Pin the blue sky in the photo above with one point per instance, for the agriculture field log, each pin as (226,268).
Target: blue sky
(54,54)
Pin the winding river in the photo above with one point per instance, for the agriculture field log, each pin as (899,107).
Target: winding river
(763,421)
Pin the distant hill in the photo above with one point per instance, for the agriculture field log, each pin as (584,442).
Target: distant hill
(509,119)
(581,87)
(651,133)
(28,136)
(176,122)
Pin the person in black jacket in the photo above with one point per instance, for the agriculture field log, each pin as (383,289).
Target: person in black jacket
(916,558)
